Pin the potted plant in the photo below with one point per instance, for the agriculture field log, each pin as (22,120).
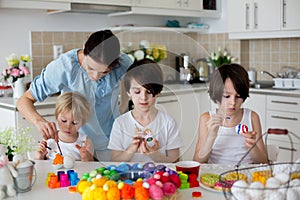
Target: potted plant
(17,141)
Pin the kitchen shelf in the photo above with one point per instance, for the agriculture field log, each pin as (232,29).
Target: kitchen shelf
(147,28)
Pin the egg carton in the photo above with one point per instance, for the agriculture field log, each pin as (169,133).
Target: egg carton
(287,83)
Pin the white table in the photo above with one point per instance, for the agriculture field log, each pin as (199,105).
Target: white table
(42,192)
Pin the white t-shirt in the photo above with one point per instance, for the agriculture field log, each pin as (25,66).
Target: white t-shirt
(163,128)
(66,148)
(229,147)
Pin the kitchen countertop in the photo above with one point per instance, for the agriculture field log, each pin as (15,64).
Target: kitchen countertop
(169,89)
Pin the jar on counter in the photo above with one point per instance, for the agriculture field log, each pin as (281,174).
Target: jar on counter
(5,90)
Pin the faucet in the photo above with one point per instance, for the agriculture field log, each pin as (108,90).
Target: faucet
(266,72)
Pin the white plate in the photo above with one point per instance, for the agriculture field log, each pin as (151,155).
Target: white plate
(209,188)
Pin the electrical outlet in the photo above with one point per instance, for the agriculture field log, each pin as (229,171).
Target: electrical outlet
(57,51)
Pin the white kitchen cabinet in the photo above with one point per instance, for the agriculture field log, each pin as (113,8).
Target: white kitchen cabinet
(186,108)
(170,4)
(57,5)
(253,15)
(46,112)
(290,14)
(255,19)
(105,2)
(284,113)
(10,117)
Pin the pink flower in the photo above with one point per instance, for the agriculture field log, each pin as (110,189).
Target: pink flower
(24,70)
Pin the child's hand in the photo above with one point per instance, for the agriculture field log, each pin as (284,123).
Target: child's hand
(84,153)
(135,144)
(214,122)
(42,151)
(250,138)
(145,148)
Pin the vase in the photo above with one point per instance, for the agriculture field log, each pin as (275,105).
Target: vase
(19,88)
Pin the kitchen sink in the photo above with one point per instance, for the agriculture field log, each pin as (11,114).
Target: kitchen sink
(263,84)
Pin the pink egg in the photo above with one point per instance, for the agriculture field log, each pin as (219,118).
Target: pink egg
(169,188)
(156,192)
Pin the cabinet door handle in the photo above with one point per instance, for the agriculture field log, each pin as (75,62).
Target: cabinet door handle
(255,15)
(167,101)
(287,118)
(284,13)
(247,15)
(285,102)
(285,148)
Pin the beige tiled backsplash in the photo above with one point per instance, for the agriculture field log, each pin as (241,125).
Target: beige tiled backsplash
(266,54)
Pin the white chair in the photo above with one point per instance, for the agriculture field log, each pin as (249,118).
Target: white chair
(273,152)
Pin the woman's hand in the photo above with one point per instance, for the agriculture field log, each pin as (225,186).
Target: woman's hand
(250,138)
(48,130)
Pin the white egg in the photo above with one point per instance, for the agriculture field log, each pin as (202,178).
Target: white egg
(68,162)
(292,194)
(57,166)
(239,187)
(242,195)
(255,190)
(282,177)
(295,184)
(272,183)
(273,195)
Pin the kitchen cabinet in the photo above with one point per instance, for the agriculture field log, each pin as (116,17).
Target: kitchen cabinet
(290,14)
(11,117)
(186,108)
(51,5)
(182,8)
(251,19)
(283,112)
(105,2)
(253,15)
(170,4)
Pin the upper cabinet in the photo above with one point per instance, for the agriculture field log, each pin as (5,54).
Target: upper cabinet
(170,4)
(58,5)
(290,14)
(255,18)
(177,8)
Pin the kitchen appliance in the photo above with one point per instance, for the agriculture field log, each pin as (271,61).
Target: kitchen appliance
(183,74)
(252,76)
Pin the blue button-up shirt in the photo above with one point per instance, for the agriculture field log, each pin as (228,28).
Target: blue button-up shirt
(66,74)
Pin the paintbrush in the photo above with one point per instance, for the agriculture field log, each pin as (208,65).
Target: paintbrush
(59,148)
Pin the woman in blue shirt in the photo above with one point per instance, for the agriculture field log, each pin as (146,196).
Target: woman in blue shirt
(95,71)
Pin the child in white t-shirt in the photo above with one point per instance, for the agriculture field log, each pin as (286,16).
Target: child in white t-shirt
(72,111)
(144,133)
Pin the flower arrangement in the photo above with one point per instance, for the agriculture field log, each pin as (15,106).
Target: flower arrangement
(16,68)
(220,58)
(17,141)
(156,52)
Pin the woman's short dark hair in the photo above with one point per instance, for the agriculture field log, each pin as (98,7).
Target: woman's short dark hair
(237,74)
(104,47)
(147,73)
